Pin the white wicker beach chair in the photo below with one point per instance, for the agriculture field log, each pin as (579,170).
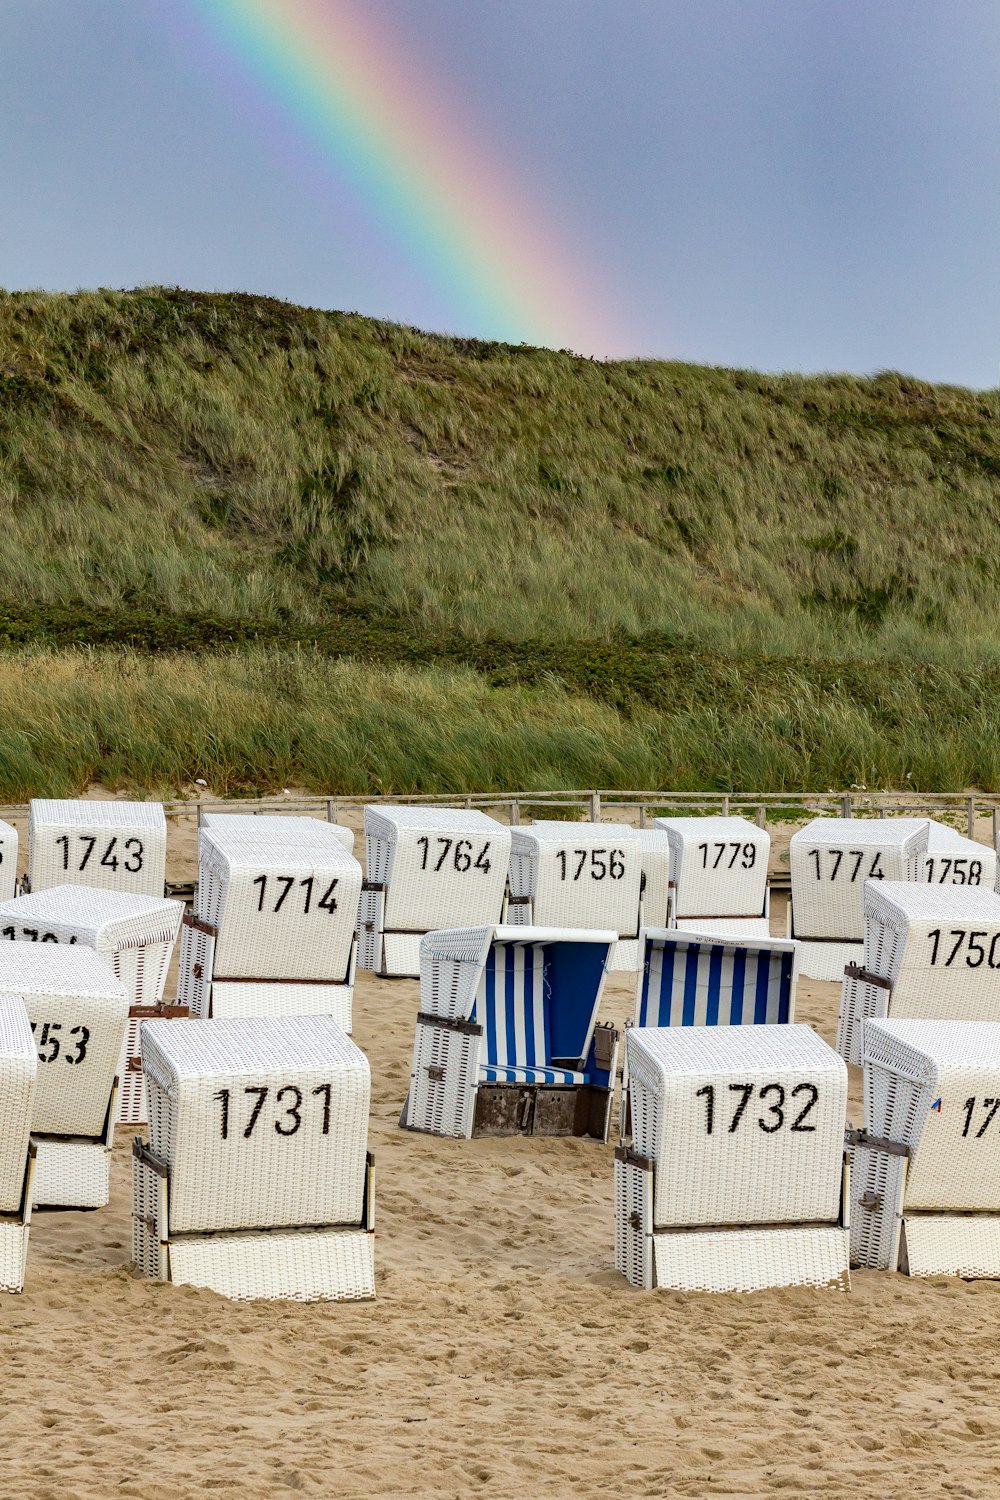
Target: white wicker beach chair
(926,1173)
(273,931)
(736,1178)
(579,875)
(507,1040)
(18,1079)
(426,868)
(831,858)
(256,1181)
(113,846)
(931,952)
(8,861)
(718,874)
(953,859)
(135,935)
(78,1013)
(285,827)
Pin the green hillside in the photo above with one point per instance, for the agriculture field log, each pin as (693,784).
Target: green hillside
(265,545)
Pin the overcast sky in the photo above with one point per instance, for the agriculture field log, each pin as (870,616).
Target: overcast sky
(783,184)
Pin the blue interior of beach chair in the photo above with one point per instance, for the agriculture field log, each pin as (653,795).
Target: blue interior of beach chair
(537,1004)
(692,981)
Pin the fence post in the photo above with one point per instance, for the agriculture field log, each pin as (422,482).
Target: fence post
(760,815)
(330,815)
(199,814)
(994,827)
(514,814)
(642,814)
(595,807)
(725,805)
(972,817)
(845,806)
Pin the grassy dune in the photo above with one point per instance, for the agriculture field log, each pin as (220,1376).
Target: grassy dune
(365,558)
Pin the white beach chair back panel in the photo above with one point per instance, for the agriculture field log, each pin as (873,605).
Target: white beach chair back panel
(584,875)
(687,981)
(745,1123)
(8,861)
(953,859)
(78,1012)
(832,858)
(283,827)
(718,866)
(938,945)
(443,867)
(262,1122)
(114,846)
(18,1074)
(285,912)
(940,1095)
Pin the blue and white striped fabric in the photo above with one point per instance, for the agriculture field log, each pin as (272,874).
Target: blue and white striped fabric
(512,1006)
(715,984)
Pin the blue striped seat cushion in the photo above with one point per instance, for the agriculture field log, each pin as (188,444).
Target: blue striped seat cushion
(512,1006)
(495,1073)
(711,984)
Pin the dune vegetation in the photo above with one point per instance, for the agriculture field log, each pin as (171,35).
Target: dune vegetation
(263,544)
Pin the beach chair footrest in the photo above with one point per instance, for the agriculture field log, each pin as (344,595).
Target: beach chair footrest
(950,1245)
(71,1174)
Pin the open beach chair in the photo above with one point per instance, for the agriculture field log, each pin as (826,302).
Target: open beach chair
(426,868)
(931,952)
(718,874)
(18,1077)
(257,1181)
(926,1167)
(112,846)
(78,1014)
(831,859)
(507,1039)
(579,875)
(736,1178)
(135,935)
(954,859)
(274,926)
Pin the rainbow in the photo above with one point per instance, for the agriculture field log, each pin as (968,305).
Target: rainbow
(453,212)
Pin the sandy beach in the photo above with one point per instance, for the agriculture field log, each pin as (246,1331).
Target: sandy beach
(503,1356)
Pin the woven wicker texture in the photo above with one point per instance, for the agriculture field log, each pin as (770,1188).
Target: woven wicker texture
(135,934)
(877,1179)
(732,927)
(744,1123)
(686,981)
(284,912)
(952,1245)
(832,858)
(18,1073)
(828,960)
(263,1123)
(71,1174)
(78,1013)
(300,1266)
(284,827)
(751,1261)
(235,999)
(117,846)
(442,867)
(954,859)
(718,866)
(8,861)
(13,1256)
(655,846)
(583,875)
(949,1072)
(939,945)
